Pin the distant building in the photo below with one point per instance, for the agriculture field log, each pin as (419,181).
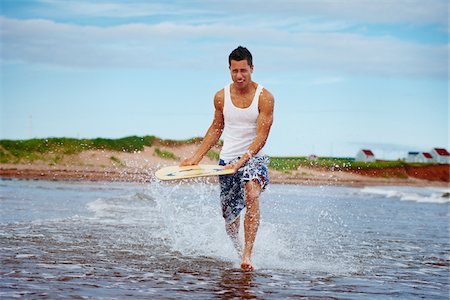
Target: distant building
(426,157)
(412,156)
(419,157)
(441,155)
(313,157)
(365,155)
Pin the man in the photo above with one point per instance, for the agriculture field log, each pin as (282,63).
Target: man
(244,113)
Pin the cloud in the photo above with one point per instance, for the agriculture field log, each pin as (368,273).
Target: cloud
(378,12)
(368,11)
(111,9)
(173,45)
(133,46)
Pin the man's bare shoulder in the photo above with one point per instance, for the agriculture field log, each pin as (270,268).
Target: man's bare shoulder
(267,95)
(219,99)
(266,101)
(220,95)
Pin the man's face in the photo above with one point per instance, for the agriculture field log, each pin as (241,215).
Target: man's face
(241,73)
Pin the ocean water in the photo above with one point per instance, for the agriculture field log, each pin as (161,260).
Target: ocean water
(72,240)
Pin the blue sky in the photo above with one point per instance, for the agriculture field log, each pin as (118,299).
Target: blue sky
(345,74)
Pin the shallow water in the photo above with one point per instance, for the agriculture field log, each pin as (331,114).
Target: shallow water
(116,240)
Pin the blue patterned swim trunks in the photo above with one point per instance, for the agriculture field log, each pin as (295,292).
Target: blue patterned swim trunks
(232,187)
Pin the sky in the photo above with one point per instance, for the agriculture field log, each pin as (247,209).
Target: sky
(345,74)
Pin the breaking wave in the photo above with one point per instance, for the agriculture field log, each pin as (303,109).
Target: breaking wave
(419,195)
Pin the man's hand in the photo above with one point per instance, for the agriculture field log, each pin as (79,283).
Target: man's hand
(233,167)
(188,162)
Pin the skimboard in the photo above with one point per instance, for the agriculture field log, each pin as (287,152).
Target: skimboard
(176,172)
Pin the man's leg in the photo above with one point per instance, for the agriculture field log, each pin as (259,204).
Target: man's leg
(232,230)
(251,221)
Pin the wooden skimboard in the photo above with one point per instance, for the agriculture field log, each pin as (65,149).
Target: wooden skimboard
(176,172)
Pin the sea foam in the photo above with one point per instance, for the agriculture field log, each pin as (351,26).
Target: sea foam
(420,195)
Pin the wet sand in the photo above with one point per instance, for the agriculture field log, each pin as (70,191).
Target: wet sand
(312,177)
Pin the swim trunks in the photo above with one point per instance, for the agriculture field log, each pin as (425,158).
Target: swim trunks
(232,187)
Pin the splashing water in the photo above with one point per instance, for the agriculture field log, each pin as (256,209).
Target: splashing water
(193,224)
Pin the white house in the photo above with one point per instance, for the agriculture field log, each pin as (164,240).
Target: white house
(419,157)
(412,156)
(365,155)
(425,157)
(440,155)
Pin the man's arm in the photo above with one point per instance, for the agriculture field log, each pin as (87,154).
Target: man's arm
(263,125)
(212,135)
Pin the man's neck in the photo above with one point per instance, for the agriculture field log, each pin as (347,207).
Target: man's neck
(249,89)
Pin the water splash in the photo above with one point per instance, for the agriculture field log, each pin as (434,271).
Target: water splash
(193,225)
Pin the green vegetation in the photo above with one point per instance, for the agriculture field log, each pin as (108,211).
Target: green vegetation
(126,144)
(286,163)
(117,161)
(165,154)
(332,163)
(212,154)
(401,175)
(55,159)
(4,157)
(71,145)
(174,143)
(381,164)
(53,148)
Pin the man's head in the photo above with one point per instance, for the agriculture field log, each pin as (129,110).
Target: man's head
(241,67)
(241,53)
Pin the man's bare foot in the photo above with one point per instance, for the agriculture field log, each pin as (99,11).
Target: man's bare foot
(246,265)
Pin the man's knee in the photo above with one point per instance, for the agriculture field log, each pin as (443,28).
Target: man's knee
(252,198)
(252,192)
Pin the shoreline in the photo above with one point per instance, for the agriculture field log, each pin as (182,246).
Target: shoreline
(307,176)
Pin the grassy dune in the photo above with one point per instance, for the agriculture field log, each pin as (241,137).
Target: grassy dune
(53,150)
(17,151)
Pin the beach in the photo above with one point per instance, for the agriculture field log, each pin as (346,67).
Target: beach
(140,166)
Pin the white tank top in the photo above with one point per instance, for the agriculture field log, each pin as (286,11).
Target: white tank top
(240,126)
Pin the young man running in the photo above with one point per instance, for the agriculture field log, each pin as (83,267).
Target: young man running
(244,113)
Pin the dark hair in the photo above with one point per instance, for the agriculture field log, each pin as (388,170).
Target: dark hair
(241,53)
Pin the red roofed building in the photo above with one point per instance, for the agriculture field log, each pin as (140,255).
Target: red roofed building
(419,157)
(427,155)
(441,155)
(365,155)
